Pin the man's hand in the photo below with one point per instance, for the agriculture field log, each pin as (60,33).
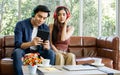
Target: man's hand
(46,45)
(37,41)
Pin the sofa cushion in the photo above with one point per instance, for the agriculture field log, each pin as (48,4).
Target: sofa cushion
(9,41)
(89,52)
(76,41)
(78,51)
(8,46)
(89,41)
(8,51)
(7,66)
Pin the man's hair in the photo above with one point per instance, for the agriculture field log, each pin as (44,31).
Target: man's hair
(40,8)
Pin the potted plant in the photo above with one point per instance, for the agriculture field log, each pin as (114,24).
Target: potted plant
(32,60)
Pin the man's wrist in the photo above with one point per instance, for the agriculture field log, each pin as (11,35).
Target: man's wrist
(31,43)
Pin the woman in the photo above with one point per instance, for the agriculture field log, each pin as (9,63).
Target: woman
(60,34)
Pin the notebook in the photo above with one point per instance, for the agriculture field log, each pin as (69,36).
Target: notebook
(78,67)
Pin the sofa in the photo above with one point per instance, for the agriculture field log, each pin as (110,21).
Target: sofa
(86,50)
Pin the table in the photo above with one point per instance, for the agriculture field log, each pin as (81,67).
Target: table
(58,70)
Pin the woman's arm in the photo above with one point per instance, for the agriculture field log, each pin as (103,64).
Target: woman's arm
(66,32)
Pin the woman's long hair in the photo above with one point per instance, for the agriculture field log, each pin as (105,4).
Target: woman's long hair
(56,25)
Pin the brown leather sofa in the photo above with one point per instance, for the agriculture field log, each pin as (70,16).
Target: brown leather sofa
(85,49)
(6,63)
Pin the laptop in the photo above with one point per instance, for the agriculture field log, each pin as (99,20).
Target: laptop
(78,67)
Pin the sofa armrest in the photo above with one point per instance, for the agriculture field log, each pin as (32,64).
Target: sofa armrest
(108,47)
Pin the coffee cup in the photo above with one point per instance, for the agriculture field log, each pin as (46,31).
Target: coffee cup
(46,62)
(98,61)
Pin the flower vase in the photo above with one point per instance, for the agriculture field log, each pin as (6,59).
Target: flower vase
(32,69)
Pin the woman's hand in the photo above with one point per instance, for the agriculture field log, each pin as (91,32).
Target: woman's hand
(46,45)
(66,21)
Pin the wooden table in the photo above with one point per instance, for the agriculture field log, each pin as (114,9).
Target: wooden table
(60,71)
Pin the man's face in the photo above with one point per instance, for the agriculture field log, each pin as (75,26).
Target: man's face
(40,18)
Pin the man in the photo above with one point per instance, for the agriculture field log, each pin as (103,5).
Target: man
(26,40)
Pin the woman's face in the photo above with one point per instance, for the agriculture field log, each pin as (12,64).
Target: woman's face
(62,16)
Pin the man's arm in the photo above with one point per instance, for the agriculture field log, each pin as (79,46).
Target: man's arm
(18,35)
(36,41)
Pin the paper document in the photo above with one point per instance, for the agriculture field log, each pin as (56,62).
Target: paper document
(49,69)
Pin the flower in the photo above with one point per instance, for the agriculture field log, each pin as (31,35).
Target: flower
(31,59)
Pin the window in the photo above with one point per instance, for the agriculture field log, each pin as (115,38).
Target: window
(89,17)
(108,8)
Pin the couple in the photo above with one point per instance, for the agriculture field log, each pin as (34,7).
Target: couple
(55,49)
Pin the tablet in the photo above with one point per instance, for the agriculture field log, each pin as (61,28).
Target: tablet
(44,35)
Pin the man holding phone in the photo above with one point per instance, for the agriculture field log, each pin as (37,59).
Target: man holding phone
(27,41)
